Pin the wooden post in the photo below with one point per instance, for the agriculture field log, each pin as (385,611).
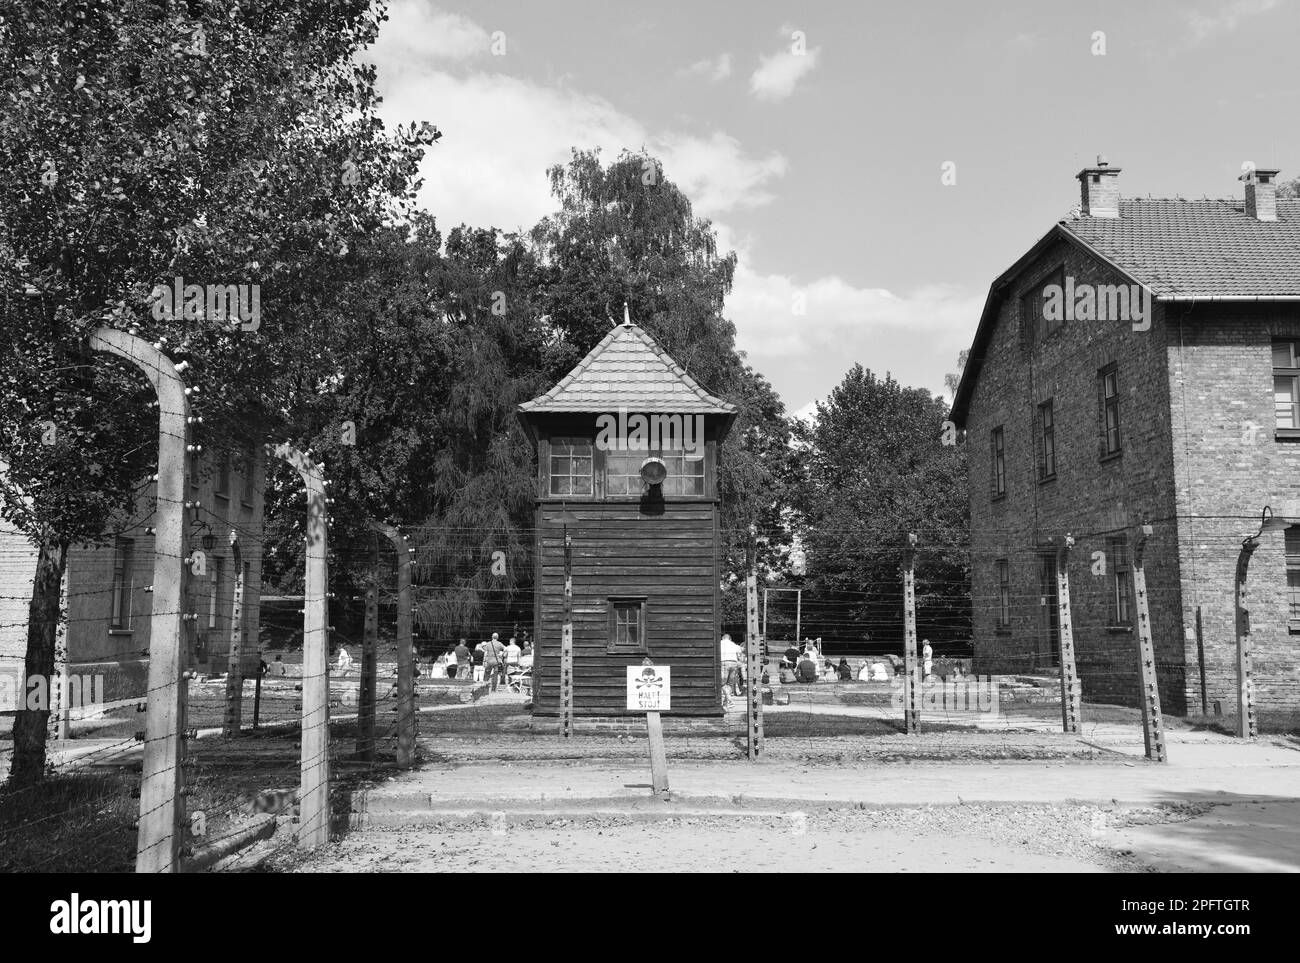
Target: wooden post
(1247,723)
(235,660)
(566,643)
(658,754)
(157,846)
(1153,730)
(405,657)
(1070,686)
(753,652)
(313,791)
(367,694)
(911,681)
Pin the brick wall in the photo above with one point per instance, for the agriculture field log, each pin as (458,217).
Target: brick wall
(1229,466)
(92,642)
(1092,497)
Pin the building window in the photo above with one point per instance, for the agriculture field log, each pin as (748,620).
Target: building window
(1004,594)
(999,462)
(123,552)
(627,625)
(1035,325)
(214,593)
(223,475)
(570,466)
(1046,442)
(1293,571)
(685,472)
(1120,612)
(1109,377)
(1286,384)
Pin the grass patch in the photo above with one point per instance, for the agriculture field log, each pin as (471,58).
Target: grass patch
(74,823)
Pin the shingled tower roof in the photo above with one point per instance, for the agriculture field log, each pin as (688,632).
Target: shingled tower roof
(628,370)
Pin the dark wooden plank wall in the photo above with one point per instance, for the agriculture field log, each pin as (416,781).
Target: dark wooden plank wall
(618,551)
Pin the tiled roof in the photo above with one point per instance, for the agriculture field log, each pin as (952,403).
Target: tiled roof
(1186,248)
(628,369)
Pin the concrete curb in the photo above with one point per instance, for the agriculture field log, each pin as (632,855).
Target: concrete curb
(414,809)
(262,827)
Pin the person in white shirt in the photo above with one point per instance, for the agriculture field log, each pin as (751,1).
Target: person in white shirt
(345,660)
(731,674)
(513,652)
(927,656)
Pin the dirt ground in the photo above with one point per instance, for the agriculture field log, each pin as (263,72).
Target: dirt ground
(941,838)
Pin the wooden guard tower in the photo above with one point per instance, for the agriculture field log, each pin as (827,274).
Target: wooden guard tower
(627,455)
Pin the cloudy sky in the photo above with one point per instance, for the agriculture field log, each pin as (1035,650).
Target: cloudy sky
(817,137)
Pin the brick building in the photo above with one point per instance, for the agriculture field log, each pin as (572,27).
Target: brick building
(107,599)
(1099,418)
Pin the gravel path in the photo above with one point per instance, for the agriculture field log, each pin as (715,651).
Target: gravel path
(975,838)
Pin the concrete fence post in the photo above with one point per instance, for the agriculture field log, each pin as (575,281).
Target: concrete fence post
(405,657)
(911,677)
(1070,688)
(1247,721)
(1153,730)
(314,790)
(753,652)
(158,840)
(234,717)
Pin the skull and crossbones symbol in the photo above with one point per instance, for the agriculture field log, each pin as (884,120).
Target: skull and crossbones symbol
(649,680)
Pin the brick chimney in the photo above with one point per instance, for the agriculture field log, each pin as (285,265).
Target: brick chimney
(1099,189)
(1261,193)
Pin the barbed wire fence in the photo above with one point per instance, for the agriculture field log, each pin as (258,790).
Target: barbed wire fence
(1037,640)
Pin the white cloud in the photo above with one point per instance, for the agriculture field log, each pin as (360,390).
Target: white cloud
(778,74)
(912,335)
(1226,18)
(808,413)
(418,33)
(715,68)
(501,133)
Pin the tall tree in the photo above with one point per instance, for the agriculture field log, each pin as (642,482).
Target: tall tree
(222,141)
(434,348)
(875,468)
(626,233)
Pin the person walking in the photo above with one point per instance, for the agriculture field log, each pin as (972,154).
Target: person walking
(730,669)
(927,658)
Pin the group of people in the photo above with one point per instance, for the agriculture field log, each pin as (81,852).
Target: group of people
(491,660)
(807,664)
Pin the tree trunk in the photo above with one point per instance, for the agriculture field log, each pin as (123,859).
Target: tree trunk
(42,627)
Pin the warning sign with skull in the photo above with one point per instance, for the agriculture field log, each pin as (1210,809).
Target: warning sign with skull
(649,688)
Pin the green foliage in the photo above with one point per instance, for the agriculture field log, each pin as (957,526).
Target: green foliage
(624,232)
(873,468)
(433,350)
(204,140)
